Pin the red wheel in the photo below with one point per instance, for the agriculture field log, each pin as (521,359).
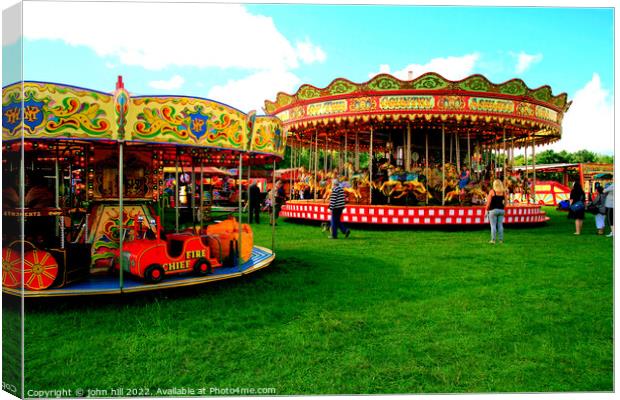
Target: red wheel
(11,268)
(154,273)
(40,269)
(202,267)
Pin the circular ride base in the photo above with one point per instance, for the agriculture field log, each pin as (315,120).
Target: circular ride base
(261,258)
(414,216)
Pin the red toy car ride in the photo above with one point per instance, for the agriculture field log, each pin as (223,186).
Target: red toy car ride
(153,259)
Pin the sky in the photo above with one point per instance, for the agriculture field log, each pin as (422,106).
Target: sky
(244,54)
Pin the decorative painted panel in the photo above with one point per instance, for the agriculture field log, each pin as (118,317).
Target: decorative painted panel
(56,111)
(269,136)
(65,112)
(186,120)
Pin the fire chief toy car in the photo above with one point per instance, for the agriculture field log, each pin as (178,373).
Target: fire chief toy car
(154,258)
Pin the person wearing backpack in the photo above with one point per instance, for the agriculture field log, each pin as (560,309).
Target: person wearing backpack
(599,210)
(577,210)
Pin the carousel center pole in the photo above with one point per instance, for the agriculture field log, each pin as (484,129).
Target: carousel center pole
(468,151)
(505,156)
(408,148)
(458,152)
(316,164)
(120,213)
(86,169)
(295,166)
(346,159)
(370,167)
(426,165)
(273,208)
(325,157)
(177,188)
(450,153)
(192,192)
(21,189)
(239,259)
(534,169)
(248,190)
(526,178)
(357,152)
(201,201)
(292,176)
(443,164)
(312,156)
(57,191)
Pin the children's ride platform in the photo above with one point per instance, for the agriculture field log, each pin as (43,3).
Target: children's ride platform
(109,284)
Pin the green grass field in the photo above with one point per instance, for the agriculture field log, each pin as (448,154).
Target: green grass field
(385,311)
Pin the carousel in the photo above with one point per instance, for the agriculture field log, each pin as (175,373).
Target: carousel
(106,193)
(418,152)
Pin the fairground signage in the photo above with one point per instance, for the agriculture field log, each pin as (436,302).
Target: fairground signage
(431,104)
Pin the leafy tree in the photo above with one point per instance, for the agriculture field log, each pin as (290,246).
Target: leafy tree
(603,158)
(551,157)
(583,156)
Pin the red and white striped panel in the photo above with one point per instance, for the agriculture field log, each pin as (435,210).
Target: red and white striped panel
(390,215)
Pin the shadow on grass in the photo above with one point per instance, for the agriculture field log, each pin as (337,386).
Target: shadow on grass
(288,271)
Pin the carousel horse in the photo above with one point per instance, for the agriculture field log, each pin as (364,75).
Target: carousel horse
(390,186)
(349,170)
(451,195)
(418,189)
(476,195)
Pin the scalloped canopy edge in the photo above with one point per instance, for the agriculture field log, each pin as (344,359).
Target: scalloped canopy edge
(427,81)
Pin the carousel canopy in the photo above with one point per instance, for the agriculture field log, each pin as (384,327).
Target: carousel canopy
(60,112)
(386,104)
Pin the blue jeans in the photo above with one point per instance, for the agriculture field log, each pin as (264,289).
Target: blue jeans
(496,219)
(336,223)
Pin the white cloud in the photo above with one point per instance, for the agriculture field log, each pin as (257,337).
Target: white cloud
(589,123)
(250,93)
(383,69)
(310,53)
(158,35)
(452,67)
(173,83)
(524,61)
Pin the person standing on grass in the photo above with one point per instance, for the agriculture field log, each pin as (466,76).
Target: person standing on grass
(598,207)
(337,204)
(609,204)
(496,201)
(279,198)
(577,195)
(254,200)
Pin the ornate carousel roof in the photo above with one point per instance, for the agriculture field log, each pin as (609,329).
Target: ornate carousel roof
(473,104)
(64,112)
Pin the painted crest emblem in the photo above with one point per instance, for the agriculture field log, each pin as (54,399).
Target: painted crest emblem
(33,114)
(198,123)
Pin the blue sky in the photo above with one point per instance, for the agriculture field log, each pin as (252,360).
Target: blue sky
(244,54)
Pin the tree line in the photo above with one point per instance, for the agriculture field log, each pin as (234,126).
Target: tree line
(552,157)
